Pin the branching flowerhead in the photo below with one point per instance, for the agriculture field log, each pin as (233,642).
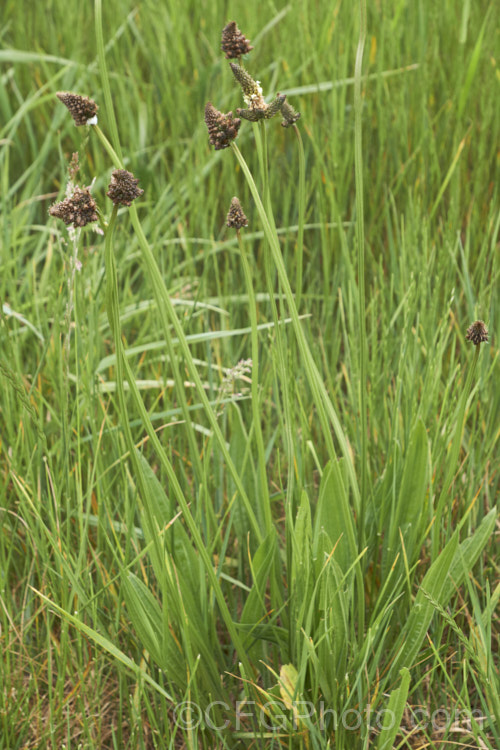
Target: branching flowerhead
(80,209)
(82,109)
(123,188)
(234,44)
(257,109)
(222,129)
(252,90)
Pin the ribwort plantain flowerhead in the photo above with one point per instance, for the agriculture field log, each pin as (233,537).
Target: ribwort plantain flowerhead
(252,90)
(222,129)
(234,44)
(82,109)
(477,333)
(80,209)
(236,219)
(290,116)
(257,109)
(123,188)
(255,114)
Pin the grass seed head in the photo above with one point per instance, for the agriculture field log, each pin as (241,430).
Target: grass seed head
(80,209)
(222,129)
(236,219)
(123,188)
(234,44)
(81,108)
(477,333)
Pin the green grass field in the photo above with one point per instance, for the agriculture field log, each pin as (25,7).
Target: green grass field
(249,478)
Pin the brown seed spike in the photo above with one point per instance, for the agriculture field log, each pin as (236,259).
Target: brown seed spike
(477,333)
(234,44)
(81,108)
(236,219)
(275,106)
(252,115)
(290,116)
(79,210)
(123,188)
(222,129)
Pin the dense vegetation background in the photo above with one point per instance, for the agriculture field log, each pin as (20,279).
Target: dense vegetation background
(73,520)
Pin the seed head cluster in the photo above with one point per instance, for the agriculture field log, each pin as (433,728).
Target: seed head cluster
(123,188)
(477,333)
(80,209)
(222,129)
(236,219)
(81,108)
(234,44)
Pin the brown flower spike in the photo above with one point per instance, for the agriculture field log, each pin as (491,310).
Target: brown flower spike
(222,129)
(81,108)
(236,219)
(234,43)
(477,333)
(123,188)
(79,210)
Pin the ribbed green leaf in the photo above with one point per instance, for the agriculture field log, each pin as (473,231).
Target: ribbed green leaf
(467,554)
(146,617)
(435,584)
(394,713)
(262,565)
(411,501)
(334,516)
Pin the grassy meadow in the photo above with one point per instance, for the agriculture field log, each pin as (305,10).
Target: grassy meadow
(249,477)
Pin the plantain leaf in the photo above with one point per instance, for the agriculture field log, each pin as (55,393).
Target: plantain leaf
(435,584)
(334,516)
(394,713)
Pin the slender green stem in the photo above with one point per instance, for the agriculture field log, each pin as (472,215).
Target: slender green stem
(117,161)
(101,54)
(167,311)
(280,360)
(360,234)
(326,410)
(124,371)
(301,220)
(265,502)
(172,358)
(166,304)
(281,348)
(452,460)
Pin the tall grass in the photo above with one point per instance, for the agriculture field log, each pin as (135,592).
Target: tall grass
(194,555)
